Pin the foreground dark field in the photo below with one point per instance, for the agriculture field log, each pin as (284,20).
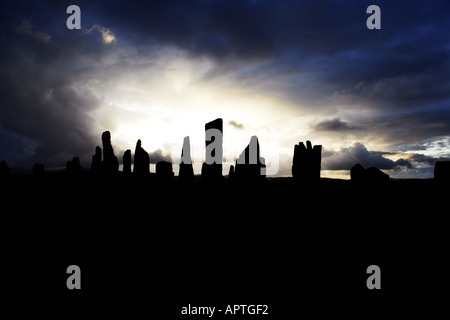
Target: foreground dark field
(192,244)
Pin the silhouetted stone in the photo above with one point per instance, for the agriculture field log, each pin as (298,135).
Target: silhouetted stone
(72,179)
(249,176)
(186,173)
(250,166)
(110,163)
(306,163)
(375,175)
(76,165)
(141,160)
(371,185)
(372,176)
(164,173)
(96,164)
(306,170)
(212,171)
(127,161)
(69,168)
(357,173)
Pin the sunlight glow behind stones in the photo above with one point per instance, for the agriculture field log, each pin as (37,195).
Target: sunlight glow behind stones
(171,95)
(170,100)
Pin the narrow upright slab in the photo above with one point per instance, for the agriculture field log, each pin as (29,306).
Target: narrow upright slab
(212,167)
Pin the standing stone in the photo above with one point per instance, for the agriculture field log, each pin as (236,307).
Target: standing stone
(127,162)
(212,172)
(357,173)
(96,163)
(250,165)
(186,173)
(370,176)
(306,163)
(306,170)
(110,162)
(164,173)
(96,170)
(72,178)
(69,167)
(76,165)
(141,160)
(249,175)
(370,186)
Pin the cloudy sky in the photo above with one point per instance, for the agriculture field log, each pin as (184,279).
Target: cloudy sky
(286,71)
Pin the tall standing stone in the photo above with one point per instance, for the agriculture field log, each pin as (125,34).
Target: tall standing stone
(76,165)
(141,160)
(306,163)
(126,159)
(212,167)
(249,176)
(186,173)
(96,163)
(164,173)
(110,162)
(250,165)
(306,170)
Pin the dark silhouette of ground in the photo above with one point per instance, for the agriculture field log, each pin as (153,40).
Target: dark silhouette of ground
(144,243)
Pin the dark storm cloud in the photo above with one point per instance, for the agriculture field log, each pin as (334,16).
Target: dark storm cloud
(402,129)
(410,126)
(333,125)
(411,147)
(417,157)
(42,104)
(408,159)
(358,153)
(236,125)
(27,28)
